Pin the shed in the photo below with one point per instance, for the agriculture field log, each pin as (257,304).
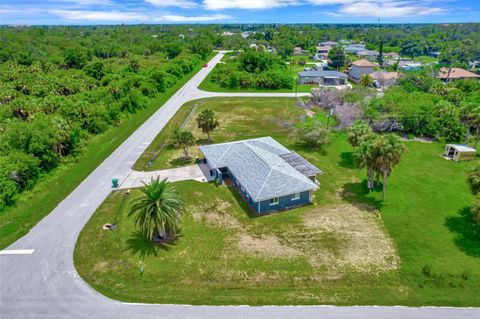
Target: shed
(460,152)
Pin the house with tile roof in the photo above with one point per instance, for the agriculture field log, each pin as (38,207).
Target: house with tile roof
(361,67)
(452,74)
(269,176)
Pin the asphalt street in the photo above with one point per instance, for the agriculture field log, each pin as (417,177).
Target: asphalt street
(38,278)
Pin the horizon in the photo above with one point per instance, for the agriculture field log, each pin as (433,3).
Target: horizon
(168,12)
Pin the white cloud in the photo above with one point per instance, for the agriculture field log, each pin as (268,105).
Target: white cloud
(107,16)
(186,4)
(91,2)
(247,4)
(179,18)
(387,9)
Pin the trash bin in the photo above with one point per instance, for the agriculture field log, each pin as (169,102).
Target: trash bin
(115,182)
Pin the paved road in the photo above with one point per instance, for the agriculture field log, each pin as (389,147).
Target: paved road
(45,284)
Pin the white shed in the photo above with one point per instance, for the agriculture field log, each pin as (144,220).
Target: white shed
(460,152)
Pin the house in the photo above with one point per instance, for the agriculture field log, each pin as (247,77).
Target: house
(391,55)
(410,65)
(297,51)
(453,74)
(268,176)
(382,78)
(370,55)
(329,43)
(354,48)
(322,51)
(459,152)
(322,77)
(361,67)
(434,54)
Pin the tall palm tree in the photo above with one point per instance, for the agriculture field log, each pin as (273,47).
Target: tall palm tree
(357,131)
(183,139)
(207,122)
(363,156)
(474,180)
(470,117)
(158,210)
(386,151)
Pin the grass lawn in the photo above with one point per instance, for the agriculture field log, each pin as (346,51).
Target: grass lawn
(36,203)
(348,248)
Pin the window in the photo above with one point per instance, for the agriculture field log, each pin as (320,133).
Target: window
(296,196)
(274,201)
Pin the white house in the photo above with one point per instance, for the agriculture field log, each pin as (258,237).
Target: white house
(361,67)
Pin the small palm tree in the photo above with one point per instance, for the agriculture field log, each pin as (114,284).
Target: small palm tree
(358,130)
(183,139)
(474,180)
(363,156)
(366,80)
(207,122)
(158,211)
(386,153)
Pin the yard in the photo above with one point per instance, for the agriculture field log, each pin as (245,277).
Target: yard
(420,247)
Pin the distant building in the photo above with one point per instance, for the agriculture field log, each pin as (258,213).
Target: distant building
(370,55)
(391,55)
(297,51)
(354,48)
(322,51)
(227,33)
(384,79)
(434,54)
(323,77)
(361,67)
(453,74)
(329,44)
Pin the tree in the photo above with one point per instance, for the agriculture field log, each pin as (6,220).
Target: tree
(476,210)
(95,69)
(207,122)
(337,57)
(183,139)
(386,152)
(474,180)
(470,117)
(158,211)
(314,135)
(366,80)
(363,156)
(359,129)
(380,54)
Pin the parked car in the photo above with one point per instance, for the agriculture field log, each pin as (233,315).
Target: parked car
(205,65)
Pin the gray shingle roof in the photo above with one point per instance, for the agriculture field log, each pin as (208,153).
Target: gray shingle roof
(322,73)
(257,164)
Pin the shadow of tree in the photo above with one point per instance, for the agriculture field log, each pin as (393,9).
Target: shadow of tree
(138,244)
(358,195)
(467,232)
(346,160)
(181,161)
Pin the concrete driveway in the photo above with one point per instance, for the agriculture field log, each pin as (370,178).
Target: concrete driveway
(196,172)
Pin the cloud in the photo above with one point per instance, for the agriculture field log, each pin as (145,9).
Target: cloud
(91,2)
(179,18)
(107,16)
(185,4)
(247,4)
(387,9)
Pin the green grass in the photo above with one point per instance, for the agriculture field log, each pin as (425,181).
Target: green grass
(425,215)
(33,205)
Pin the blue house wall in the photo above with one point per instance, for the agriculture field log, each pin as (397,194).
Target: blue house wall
(284,202)
(263,206)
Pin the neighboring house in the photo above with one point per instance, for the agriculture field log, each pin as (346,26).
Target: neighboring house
(391,55)
(354,48)
(297,51)
(409,65)
(453,74)
(322,51)
(361,67)
(329,43)
(434,54)
(323,77)
(370,55)
(384,79)
(269,176)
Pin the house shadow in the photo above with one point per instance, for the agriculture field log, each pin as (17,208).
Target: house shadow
(467,232)
(139,245)
(358,195)
(241,200)
(346,160)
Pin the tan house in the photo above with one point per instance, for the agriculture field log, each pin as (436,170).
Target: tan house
(453,74)
(361,67)
(385,79)
(459,152)
(323,51)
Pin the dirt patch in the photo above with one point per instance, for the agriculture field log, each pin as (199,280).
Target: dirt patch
(267,246)
(215,214)
(100,266)
(365,245)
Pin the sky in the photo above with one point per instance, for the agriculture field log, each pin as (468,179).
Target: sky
(78,12)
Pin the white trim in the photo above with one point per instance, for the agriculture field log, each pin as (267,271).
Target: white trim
(276,201)
(296,196)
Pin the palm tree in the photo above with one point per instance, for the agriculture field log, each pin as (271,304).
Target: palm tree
(359,129)
(158,210)
(386,152)
(207,122)
(470,117)
(363,156)
(474,180)
(183,139)
(366,80)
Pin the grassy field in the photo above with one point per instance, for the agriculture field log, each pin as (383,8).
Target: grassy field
(34,204)
(420,247)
